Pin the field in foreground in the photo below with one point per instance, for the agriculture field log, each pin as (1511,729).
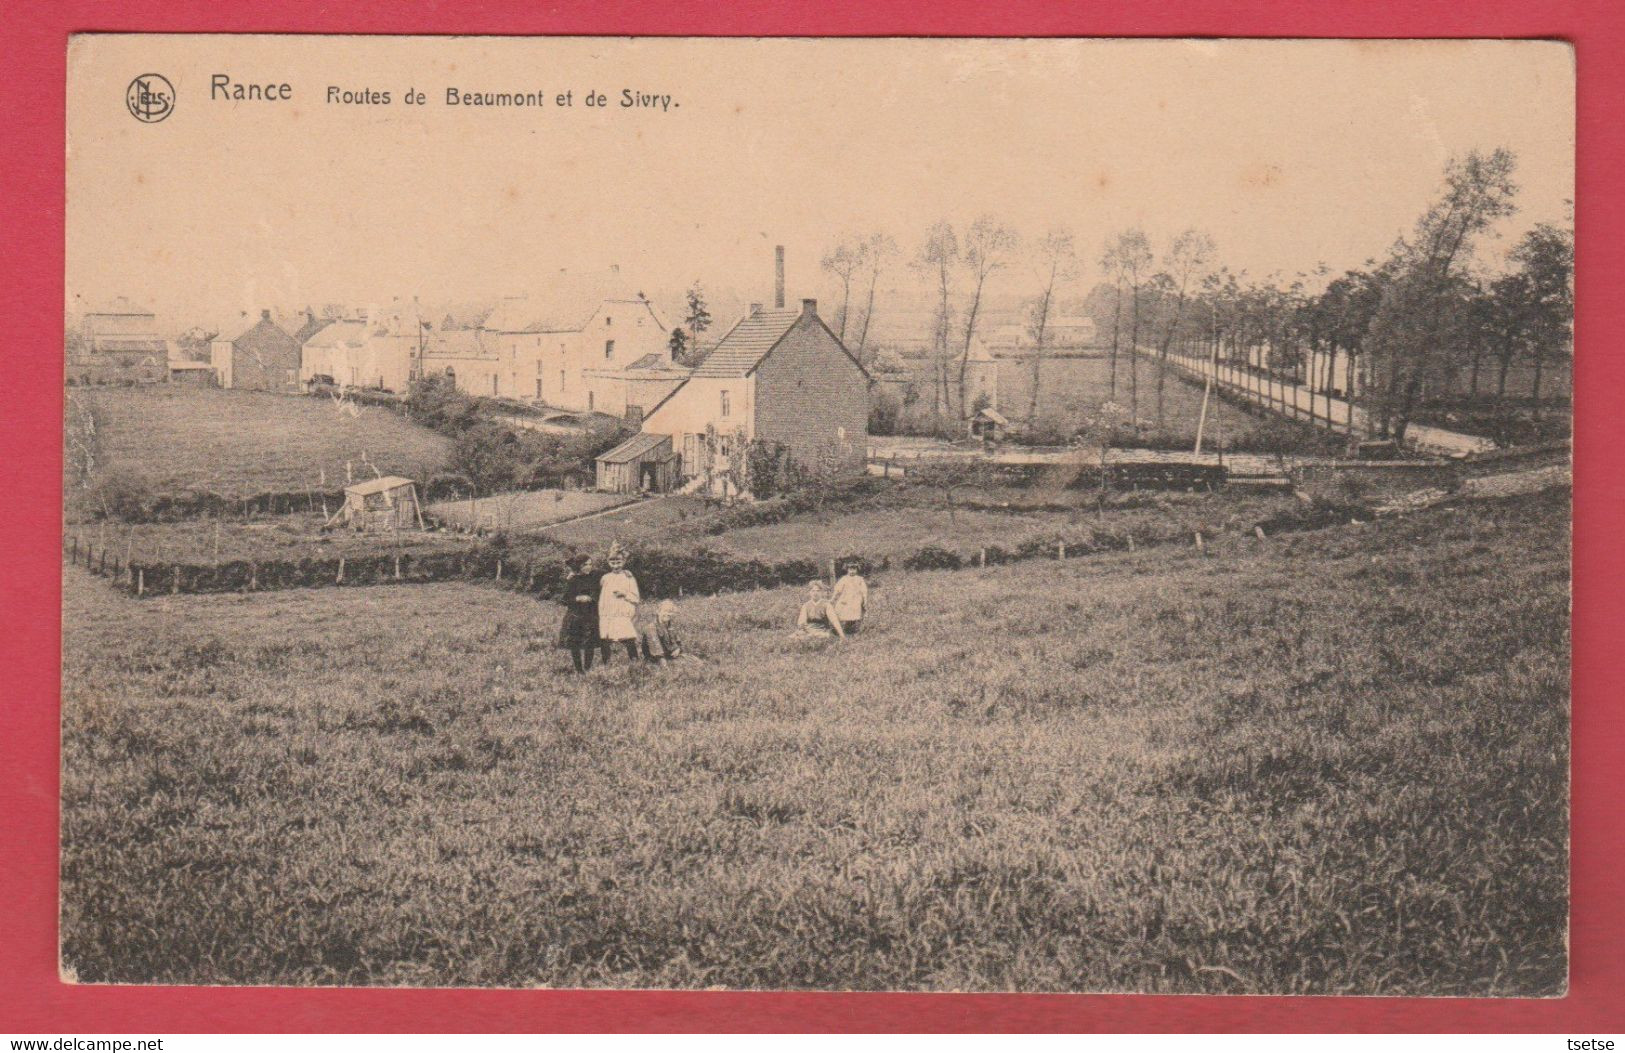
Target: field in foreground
(1334,762)
(244,443)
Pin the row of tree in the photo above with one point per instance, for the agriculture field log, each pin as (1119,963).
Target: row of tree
(1404,329)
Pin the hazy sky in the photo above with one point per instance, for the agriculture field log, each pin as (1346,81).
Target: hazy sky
(1288,153)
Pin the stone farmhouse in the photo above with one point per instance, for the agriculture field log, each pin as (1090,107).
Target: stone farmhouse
(382,349)
(545,344)
(264,357)
(583,344)
(117,342)
(779,377)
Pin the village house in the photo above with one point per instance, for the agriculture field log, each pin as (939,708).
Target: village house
(779,377)
(383,350)
(332,351)
(468,356)
(117,342)
(264,357)
(630,391)
(546,343)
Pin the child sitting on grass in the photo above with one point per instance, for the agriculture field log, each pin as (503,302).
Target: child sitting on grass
(816,618)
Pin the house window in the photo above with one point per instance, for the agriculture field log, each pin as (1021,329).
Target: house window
(609,349)
(727,409)
(608,320)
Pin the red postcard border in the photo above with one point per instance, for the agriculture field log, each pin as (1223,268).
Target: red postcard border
(32,999)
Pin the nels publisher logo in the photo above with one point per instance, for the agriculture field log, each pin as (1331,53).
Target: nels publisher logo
(150,98)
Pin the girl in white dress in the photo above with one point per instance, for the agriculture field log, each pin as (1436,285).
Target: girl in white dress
(618,600)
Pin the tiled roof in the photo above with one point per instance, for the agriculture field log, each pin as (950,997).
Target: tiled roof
(311,327)
(457,343)
(565,305)
(347,333)
(747,343)
(635,447)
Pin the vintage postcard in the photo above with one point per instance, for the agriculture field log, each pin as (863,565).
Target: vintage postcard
(831,514)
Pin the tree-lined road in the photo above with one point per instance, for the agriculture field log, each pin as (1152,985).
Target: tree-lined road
(1301,403)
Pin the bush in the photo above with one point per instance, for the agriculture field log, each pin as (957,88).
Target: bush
(446,486)
(124,495)
(885,413)
(931,557)
(435,401)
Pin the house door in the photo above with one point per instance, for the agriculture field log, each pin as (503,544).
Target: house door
(649,476)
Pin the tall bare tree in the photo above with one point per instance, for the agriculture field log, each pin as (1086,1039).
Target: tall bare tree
(1056,258)
(937,258)
(988,248)
(1128,259)
(844,261)
(1186,260)
(879,250)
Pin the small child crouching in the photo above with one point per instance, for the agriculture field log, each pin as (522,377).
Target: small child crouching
(661,642)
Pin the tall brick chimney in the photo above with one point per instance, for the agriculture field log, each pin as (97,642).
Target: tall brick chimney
(778,277)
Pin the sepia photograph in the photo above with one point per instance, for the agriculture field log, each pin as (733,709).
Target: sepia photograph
(865,514)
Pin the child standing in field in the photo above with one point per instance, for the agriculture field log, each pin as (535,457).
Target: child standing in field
(578,633)
(816,618)
(851,599)
(617,607)
(658,634)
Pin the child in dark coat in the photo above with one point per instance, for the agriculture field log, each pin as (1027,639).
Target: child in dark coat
(579,631)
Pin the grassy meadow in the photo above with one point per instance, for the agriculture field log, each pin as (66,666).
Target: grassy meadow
(243,443)
(524,510)
(1074,387)
(1332,762)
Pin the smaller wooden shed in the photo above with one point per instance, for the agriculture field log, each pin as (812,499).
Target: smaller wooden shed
(389,503)
(645,462)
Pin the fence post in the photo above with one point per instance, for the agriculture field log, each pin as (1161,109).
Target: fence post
(1201,548)
(102,570)
(140,580)
(397,566)
(340,579)
(499,570)
(174,578)
(981,558)
(74,557)
(1060,550)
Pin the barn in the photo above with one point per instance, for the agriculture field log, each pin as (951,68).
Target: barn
(644,462)
(387,503)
